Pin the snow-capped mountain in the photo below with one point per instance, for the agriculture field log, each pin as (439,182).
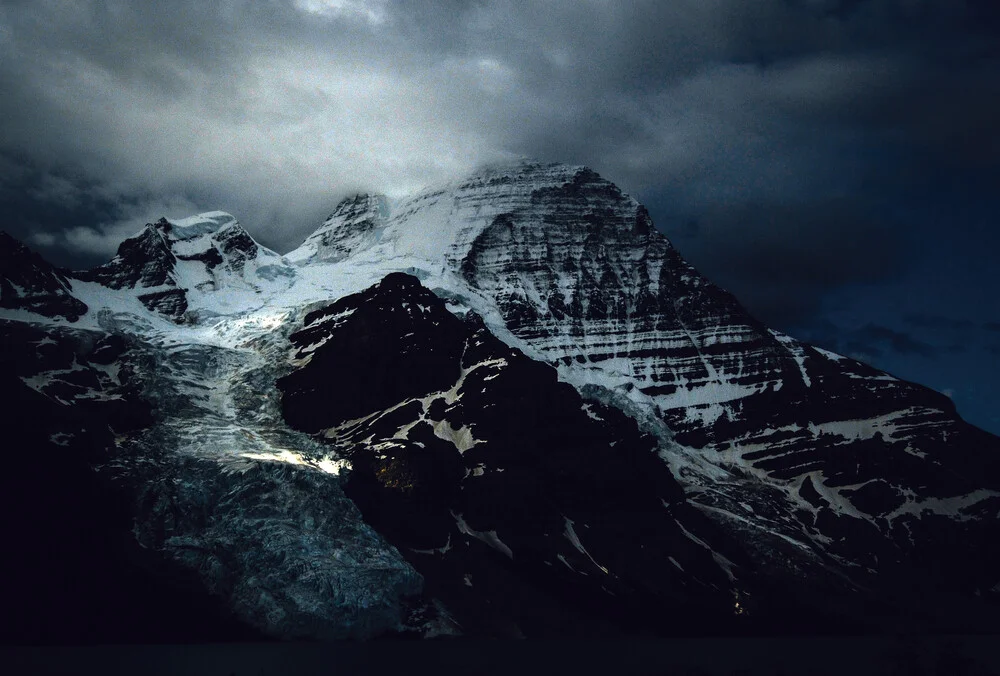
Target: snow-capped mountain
(173,265)
(502,406)
(809,453)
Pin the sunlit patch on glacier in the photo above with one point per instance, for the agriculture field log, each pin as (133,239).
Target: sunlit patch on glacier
(326,464)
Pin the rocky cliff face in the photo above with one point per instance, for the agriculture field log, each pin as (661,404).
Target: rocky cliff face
(29,283)
(551,422)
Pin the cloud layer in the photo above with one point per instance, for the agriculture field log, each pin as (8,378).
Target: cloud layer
(273,110)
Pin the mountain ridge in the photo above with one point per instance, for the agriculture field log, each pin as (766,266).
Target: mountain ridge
(821,467)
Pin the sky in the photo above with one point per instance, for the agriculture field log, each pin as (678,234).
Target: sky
(833,163)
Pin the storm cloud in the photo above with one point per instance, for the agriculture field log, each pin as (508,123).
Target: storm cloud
(780,259)
(274,110)
(939,322)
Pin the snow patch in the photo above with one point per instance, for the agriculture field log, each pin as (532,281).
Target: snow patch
(953,507)
(489,537)
(326,464)
(461,438)
(570,535)
(795,349)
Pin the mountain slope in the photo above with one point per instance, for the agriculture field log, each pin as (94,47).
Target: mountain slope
(769,435)
(334,446)
(522,505)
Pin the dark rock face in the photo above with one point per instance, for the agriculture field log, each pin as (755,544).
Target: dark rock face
(172,303)
(528,510)
(396,368)
(142,261)
(146,261)
(210,257)
(237,247)
(28,282)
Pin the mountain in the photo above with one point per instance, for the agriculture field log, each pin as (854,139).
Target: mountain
(526,509)
(810,454)
(29,283)
(503,406)
(172,263)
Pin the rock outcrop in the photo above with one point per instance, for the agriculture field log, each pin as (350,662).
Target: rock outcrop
(29,283)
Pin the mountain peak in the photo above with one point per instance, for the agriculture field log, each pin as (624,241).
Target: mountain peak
(353,223)
(522,164)
(208,223)
(522,169)
(359,204)
(443,219)
(171,258)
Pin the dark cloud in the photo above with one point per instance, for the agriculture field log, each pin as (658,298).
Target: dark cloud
(938,322)
(782,259)
(992,326)
(872,342)
(75,222)
(897,341)
(274,110)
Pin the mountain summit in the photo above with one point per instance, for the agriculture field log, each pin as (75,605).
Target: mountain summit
(503,406)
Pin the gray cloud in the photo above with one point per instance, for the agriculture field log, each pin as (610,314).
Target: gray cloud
(822,159)
(873,341)
(782,259)
(275,110)
(927,321)
(896,341)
